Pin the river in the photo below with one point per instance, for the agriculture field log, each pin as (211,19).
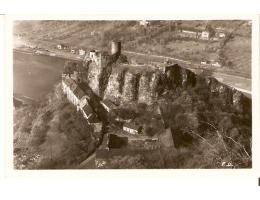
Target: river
(35,75)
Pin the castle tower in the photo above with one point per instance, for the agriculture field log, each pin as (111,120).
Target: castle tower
(115,47)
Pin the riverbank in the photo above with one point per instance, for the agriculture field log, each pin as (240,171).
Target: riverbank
(47,53)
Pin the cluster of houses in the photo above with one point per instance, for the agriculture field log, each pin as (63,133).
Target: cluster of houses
(193,33)
(73,50)
(212,63)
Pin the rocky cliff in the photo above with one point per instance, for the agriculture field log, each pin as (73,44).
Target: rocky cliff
(123,83)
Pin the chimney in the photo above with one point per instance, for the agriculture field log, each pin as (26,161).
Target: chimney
(115,48)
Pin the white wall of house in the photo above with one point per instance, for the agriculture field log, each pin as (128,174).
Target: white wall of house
(83,102)
(130,130)
(205,35)
(96,57)
(82,52)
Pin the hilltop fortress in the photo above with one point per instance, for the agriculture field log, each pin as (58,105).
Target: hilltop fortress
(108,81)
(112,77)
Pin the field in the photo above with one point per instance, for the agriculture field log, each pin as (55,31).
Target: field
(238,52)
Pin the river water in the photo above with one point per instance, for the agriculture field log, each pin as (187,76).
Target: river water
(35,75)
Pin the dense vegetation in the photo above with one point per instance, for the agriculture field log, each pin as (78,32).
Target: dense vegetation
(51,135)
(207,130)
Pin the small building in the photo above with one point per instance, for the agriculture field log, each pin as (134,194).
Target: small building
(144,23)
(80,98)
(92,33)
(74,51)
(92,117)
(59,46)
(108,105)
(87,111)
(189,33)
(68,87)
(205,62)
(97,126)
(221,35)
(62,46)
(95,56)
(120,119)
(132,128)
(216,64)
(204,35)
(82,52)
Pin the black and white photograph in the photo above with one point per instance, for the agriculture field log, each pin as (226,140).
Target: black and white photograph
(132,94)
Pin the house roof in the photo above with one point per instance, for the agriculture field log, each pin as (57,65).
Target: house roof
(79,92)
(70,83)
(73,86)
(108,103)
(93,118)
(87,109)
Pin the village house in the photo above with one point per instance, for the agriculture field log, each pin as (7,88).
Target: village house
(108,105)
(74,93)
(221,35)
(190,33)
(220,32)
(88,112)
(80,98)
(132,128)
(62,46)
(73,50)
(97,126)
(92,118)
(205,62)
(95,56)
(144,23)
(204,35)
(68,86)
(216,64)
(59,46)
(82,52)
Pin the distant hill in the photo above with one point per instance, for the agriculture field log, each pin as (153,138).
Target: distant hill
(157,38)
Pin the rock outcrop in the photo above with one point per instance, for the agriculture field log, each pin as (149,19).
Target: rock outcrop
(123,83)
